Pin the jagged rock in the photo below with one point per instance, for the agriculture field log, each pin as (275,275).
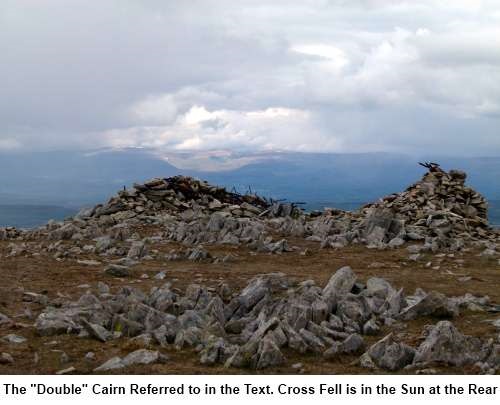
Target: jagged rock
(112,364)
(353,307)
(103,288)
(352,344)
(137,250)
(269,355)
(97,331)
(41,299)
(14,339)
(127,327)
(339,284)
(312,341)
(117,270)
(390,355)
(160,276)
(64,232)
(431,304)
(371,327)
(189,337)
(143,356)
(294,339)
(393,304)
(197,254)
(103,243)
(216,350)
(54,323)
(445,344)
(376,286)
(259,286)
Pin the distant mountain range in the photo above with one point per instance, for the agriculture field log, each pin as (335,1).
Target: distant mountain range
(74,179)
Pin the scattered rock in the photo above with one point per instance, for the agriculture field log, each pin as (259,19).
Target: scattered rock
(143,356)
(68,370)
(390,354)
(117,270)
(6,358)
(445,344)
(14,339)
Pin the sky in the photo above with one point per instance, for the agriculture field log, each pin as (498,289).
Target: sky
(311,75)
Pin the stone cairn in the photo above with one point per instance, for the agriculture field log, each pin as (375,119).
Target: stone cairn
(439,211)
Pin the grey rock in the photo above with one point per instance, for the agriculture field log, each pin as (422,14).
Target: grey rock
(294,339)
(103,243)
(143,356)
(103,288)
(353,307)
(190,337)
(138,250)
(117,270)
(391,355)
(142,340)
(54,323)
(371,327)
(269,355)
(90,356)
(214,351)
(160,276)
(198,254)
(379,287)
(339,284)
(97,331)
(352,344)
(396,242)
(112,364)
(445,344)
(14,339)
(41,299)
(393,304)
(313,342)
(431,304)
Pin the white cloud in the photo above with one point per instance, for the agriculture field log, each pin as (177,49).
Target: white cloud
(201,129)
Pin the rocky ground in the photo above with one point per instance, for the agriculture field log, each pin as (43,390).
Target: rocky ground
(177,276)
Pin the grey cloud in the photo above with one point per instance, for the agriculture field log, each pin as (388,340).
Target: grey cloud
(344,75)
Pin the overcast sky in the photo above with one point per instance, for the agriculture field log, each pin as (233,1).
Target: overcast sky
(340,76)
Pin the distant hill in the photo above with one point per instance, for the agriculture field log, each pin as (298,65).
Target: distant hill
(30,216)
(74,179)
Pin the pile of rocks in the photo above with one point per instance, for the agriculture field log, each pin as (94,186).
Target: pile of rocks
(178,194)
(438,205)
(439,212)
(251,328)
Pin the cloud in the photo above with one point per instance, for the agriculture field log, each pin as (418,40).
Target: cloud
(302,75)
(9,144)
(201,129)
